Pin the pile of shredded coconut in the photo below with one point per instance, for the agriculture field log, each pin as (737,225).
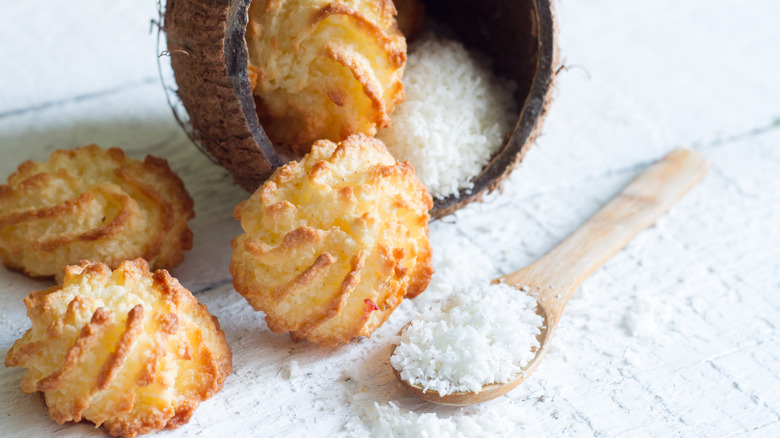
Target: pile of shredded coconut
(389,421)
(454,117)
(480,335)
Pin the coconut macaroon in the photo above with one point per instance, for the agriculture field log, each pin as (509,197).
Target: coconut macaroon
(323,69)
(333,243)
(96,204)
(129,350)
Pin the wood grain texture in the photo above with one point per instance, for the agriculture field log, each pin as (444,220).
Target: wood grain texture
(555,277)
(620,364)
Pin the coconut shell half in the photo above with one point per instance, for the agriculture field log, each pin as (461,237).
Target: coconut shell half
(209,58)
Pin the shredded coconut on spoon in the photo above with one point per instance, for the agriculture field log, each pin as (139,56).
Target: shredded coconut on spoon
(480,335)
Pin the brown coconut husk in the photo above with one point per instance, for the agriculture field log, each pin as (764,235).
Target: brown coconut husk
(209,58)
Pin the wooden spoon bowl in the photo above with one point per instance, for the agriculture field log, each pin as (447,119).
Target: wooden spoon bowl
(490,391)
(553,279)
(208,54)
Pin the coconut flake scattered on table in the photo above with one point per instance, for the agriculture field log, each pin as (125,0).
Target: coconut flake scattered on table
(390,421)
(454,117)
(480,335)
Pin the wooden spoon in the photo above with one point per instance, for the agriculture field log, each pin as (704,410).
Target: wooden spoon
(554,278)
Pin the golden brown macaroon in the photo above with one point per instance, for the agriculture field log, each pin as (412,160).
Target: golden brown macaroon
(323,69)
(96,204)
(333,243)
(129,350)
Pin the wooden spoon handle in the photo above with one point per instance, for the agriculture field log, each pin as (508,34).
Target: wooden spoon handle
(556,275)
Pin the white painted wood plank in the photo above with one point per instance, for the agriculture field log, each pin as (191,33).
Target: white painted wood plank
(55,50)
(676,335)
(599,376)
(643,79)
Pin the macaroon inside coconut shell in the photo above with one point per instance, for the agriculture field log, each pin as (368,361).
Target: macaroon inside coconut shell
(206,42)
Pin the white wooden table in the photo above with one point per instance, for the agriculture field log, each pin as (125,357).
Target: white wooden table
(678,335)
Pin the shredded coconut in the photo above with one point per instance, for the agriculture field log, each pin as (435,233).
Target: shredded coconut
(454,117)
(642,318)
(389,421)
(452,270)
(480,335)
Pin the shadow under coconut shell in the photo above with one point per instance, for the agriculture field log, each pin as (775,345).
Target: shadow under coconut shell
(518,35)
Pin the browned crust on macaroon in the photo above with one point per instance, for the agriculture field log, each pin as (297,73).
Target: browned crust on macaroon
(283,45)
(93,203)
(70,205)
(396,55)
(86,340)
(116,360)
(169,325)
(308,276)
(337,302)
(363,74)
(334,270)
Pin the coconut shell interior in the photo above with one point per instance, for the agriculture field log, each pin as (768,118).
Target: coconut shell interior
(520,38)
(209,59)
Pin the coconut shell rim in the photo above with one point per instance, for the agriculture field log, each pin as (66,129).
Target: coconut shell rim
(529,123)
(236,67)
(527,128)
